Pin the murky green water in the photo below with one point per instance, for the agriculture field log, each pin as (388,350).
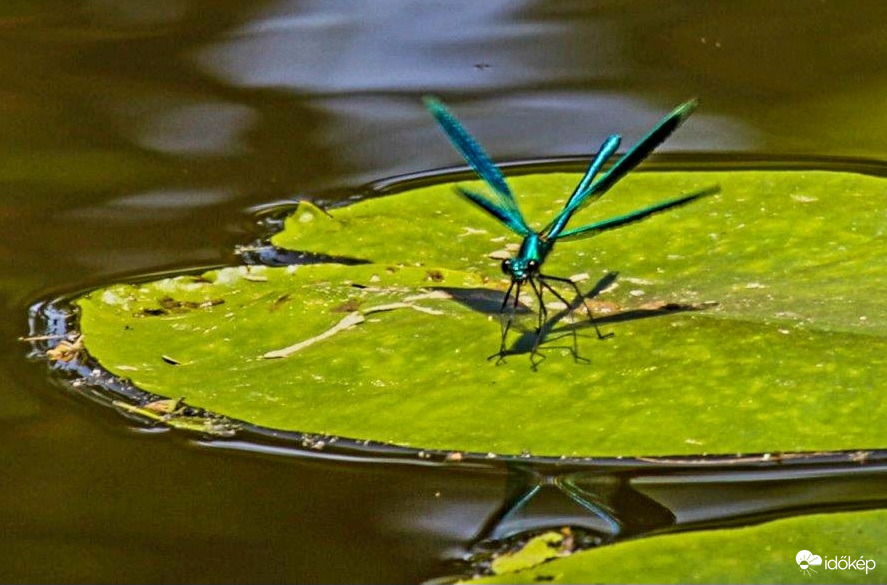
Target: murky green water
(134,135)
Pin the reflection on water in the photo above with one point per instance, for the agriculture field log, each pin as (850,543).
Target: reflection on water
(550,124)
(379,47)
(198,128)
(133,134)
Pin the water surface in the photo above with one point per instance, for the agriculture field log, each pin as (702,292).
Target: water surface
(133,136)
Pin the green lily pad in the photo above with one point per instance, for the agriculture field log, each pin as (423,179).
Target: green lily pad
(758,554)
(534,552)
(751,321)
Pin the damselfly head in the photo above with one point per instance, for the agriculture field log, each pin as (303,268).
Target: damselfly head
(519,269)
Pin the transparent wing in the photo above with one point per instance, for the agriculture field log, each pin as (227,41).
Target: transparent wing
(627,162)
(594,229)
(477,158)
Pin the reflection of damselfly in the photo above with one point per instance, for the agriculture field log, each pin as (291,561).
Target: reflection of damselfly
(526,266)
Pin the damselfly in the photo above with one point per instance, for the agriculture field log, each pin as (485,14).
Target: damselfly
(526,266)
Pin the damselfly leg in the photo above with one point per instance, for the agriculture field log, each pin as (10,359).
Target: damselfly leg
(543,278)
(505,321)
(540,328)
(579,295)
(539,283)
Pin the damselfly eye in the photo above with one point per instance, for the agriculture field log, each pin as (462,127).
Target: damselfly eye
(532,265)
(506,266)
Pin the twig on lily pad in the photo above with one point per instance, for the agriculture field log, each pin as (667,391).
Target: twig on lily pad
(349,321)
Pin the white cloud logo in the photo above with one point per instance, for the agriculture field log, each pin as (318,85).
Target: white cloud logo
(807,560)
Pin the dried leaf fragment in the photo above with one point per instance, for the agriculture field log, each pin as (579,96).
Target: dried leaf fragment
(66,351)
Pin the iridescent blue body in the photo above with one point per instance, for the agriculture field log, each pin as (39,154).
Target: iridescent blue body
(525,267)
(529,258)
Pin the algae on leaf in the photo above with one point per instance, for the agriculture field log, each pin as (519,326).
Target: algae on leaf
(787,351)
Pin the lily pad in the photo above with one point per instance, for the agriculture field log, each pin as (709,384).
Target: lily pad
(751,321)
(758,554)
(534,552)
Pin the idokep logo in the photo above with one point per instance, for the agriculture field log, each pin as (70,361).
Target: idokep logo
(807,560)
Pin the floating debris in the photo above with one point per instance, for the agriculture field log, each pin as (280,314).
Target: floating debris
(66,351)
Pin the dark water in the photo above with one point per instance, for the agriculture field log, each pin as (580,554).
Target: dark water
(135,134)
